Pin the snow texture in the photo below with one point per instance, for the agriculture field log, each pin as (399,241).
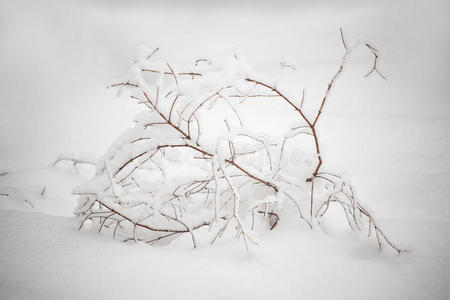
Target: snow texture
(390,140)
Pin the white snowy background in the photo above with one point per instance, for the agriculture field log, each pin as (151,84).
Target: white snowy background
(391,138)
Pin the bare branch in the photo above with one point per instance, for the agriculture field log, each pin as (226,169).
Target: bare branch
(153,52)
(375,60)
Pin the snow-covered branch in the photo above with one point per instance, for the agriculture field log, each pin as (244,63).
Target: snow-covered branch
(191,166)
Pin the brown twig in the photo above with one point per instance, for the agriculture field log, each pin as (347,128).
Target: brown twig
(168,73)
(153,52)
(374,51)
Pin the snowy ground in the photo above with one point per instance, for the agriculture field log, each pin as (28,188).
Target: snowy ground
(47,258)
(391,138)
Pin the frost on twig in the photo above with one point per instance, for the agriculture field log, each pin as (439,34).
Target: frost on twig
(76,159)
(179,172)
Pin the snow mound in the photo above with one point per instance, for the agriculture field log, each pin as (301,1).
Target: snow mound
(47,190)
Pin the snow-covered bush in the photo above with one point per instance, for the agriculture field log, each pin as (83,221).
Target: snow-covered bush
(190,167)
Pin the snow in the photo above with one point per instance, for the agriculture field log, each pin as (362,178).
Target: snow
(46,190)
(390,139)
(45,257)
